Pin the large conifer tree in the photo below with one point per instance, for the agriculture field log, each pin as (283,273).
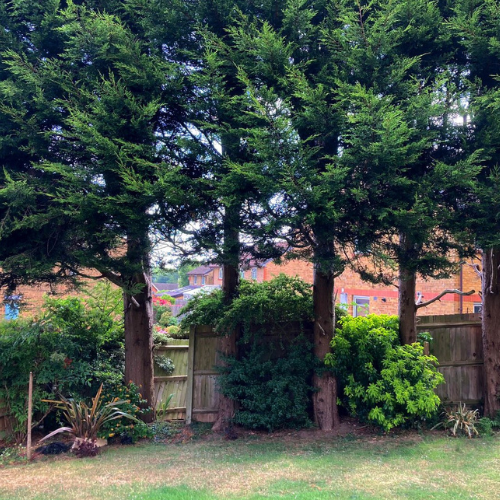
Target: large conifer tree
(340,108)
(87,110)
(477,23)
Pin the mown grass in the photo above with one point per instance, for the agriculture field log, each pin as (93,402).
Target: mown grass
(412,467)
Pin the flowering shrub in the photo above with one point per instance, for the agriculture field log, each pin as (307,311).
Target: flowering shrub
(134,405)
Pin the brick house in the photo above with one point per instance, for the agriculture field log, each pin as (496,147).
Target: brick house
(358,296)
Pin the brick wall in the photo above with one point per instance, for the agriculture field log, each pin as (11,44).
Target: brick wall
(383,299)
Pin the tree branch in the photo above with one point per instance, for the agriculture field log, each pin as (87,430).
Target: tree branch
(438,297)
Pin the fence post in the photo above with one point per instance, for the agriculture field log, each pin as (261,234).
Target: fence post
(426,348)
(190,375)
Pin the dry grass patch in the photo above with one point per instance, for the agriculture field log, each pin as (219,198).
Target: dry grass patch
(386,467)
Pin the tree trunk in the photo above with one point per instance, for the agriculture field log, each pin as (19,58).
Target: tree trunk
(139,339)
(407,309)
(491,330)
(227,345)
(326,414)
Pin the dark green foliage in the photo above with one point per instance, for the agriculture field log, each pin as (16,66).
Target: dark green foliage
(271,384)
(271,378)
(134,405)
(381,381)
(71,349)
(258,306)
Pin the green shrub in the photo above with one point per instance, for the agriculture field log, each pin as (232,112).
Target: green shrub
(257,306)
(271,384)
(176,332)
(165,363)
(380,381)
(165,318)
(271,381)
(134,403)
(75,345)
(160,336)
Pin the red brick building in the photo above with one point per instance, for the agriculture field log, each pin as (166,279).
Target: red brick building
(361,297)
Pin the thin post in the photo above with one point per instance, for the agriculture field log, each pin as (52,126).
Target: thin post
(30,411)
(426,348)
(190,375)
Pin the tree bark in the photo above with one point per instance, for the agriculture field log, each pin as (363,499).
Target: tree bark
(407,308)
(326,414)
(491,330)
(227,345)
(139,339)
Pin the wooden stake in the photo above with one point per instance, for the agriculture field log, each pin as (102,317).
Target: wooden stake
(30,411)
(427,350)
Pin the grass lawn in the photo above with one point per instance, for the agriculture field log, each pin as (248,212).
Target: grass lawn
(256,467)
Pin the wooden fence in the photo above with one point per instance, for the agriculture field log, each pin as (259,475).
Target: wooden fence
(6,421)
(175,383)
(202,395)
(457,345)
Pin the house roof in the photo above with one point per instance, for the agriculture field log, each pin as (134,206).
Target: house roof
(166,286)
(202,270)
(178,292)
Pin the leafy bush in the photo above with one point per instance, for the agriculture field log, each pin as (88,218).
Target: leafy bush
(165,363)
(160,336)
(134,405)
(271,379)
(381,381)
(177,333)
(165,318)
(271,383)
(257,306)
(74,346)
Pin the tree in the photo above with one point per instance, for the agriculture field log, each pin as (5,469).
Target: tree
(89,107)
(476,23)
(422,226)
(339,104)
(215,125)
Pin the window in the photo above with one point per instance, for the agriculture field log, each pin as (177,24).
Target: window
(195,280)
(12,307)
(242,274)
(361,306)
(254,273)
(203,280)
(343,303)
(220,273)
(478,308)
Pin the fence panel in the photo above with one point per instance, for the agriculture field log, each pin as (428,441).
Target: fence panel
(457,345)
(176,383)
(6,421)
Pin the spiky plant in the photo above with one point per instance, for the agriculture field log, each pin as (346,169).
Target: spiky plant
(86,421)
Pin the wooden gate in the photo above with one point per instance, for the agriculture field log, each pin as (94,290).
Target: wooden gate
(457,345)
(202,396)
